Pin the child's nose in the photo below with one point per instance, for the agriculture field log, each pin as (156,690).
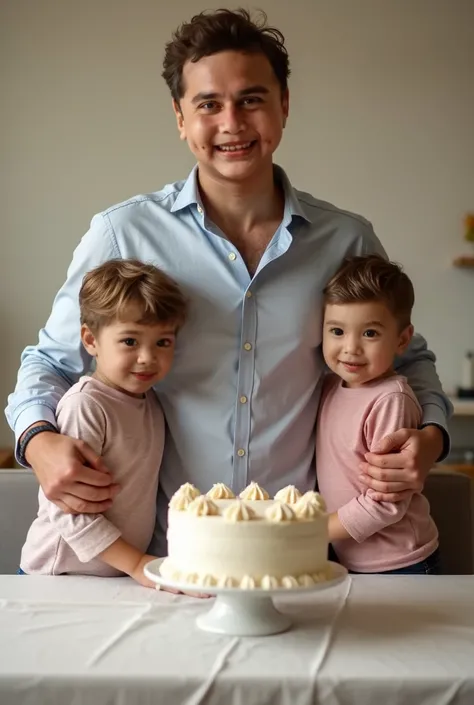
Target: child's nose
(146,355)
(352,345)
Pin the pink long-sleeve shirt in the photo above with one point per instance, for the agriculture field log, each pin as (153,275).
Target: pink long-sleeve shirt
(129,434)
(385,535)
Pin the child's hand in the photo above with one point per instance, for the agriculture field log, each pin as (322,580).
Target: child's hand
(141,578)
(138,574)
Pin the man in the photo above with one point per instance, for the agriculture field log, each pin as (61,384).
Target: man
(253,256)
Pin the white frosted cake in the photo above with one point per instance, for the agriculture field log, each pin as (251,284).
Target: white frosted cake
(249,542)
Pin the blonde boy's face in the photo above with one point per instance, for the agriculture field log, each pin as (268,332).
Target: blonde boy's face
(361,340)
(130,356)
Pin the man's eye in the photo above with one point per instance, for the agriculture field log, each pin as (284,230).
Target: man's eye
(209,106)
(252,100)
(337,331)
(370,333)
(129,342)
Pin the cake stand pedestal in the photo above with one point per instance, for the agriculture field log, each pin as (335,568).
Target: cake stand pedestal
(241,612)
(243,615)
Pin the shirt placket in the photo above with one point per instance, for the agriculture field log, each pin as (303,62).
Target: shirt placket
(245,381)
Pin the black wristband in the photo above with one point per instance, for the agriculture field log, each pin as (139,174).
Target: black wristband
(31,433)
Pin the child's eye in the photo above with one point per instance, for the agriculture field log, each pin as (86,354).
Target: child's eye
(164,343)
(337,331)
(370,333)
(129,342)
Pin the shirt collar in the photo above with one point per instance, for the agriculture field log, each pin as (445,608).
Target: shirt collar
(189,195)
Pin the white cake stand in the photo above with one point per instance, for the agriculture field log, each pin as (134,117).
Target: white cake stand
(243,612)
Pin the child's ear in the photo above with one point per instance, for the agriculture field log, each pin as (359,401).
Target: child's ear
(89,340)
(405,336)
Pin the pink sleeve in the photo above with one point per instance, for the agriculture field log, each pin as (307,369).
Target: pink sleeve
(80,416)
(363,516)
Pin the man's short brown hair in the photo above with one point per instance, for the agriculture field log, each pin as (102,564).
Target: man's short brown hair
(109,289)
(372,278)
(214,31)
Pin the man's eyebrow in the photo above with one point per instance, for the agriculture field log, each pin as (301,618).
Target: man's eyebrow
(251,90)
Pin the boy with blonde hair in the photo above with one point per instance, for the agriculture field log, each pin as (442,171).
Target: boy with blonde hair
(130,316)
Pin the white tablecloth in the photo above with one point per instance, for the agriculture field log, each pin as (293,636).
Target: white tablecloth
(372,640)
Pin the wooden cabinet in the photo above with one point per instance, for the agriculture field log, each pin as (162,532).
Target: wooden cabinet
(7,458)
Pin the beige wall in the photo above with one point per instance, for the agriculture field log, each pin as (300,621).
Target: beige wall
(382,122)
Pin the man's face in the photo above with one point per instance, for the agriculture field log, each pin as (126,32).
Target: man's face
(232,114)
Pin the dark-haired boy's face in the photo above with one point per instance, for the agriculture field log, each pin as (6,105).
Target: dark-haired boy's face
(361,340)
(232,114)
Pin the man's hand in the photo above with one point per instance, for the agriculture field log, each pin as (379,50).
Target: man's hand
(402,463)
(59,463)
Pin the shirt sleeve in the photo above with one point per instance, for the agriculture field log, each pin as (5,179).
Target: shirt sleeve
(364,516)
(49,368)
(417,364)
(80,416)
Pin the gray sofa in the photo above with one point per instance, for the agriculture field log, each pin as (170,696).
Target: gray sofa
(451,496)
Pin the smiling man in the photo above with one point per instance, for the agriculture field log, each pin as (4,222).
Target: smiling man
(253,254)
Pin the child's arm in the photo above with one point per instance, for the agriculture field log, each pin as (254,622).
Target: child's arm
(336,530)
(363,516)
(122,556)
(81,416)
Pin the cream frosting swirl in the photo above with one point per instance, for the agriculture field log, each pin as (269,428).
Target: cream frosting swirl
(289,494)
(315,498)
(220,491)
(180,502)
(202,506)
(238,511)
(289,582)
(269,582)
(248,583)
(305,509)
(187,490)
(254,492)
(279,511)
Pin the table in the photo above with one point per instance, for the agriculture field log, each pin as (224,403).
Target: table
(372,640)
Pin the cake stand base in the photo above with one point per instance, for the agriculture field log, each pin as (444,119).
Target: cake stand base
(243,615)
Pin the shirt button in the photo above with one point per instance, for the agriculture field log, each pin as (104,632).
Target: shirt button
(248,294)
(241,452)
(243,399)
(199,209)
(232,256)
(247,346)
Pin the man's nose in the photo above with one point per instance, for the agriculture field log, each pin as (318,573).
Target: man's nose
(232,119)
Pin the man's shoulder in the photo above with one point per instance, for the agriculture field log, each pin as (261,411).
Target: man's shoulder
(315,208)
(164,198)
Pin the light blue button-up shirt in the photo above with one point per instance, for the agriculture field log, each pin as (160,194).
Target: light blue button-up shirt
(242,397)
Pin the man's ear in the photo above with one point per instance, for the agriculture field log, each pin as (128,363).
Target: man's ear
(179,119)
(285,104)
(89,340)
(405,337)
